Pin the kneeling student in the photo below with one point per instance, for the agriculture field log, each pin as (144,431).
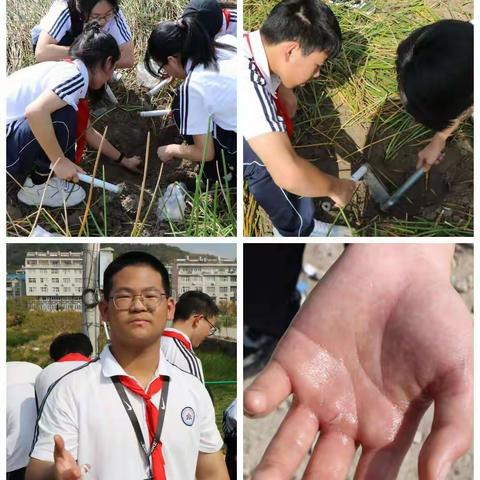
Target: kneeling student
(47,111)
(290,48)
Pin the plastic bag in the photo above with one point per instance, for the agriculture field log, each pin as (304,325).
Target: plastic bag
(171,205)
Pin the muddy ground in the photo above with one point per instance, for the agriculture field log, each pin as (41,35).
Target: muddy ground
(128,133)
(257,433)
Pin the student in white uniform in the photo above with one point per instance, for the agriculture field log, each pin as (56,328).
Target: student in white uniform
(65,21)
(22,372)
(435,80)
(21,418)
(68,351)
(290,48)
(217,20)
(47,111)
(129,414)
(195,318)
(205,107)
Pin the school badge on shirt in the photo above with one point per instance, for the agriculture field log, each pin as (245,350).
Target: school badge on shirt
(188,416)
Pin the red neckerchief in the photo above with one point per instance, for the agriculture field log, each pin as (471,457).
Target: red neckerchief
(278,103)
(158,462)
(226,14)
(73,357)
(83,114)
(178,336)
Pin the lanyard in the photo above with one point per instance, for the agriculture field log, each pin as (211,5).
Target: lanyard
(134,421)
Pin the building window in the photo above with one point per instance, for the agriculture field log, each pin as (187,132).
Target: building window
(66,289)
(32,280)
(55,280)
(66,280)
(44,289)
(56,289)
(31,289)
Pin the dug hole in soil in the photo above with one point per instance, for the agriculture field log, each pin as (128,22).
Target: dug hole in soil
(127,131)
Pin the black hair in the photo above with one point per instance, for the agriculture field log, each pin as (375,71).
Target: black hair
(193,302)
(435,72)
(208,12)
(85,7)
(309,22)
(94,46)
(186,37)
(134,259)
(66,343)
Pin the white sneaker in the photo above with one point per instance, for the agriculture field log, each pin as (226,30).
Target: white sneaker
(322,229)
(58,192)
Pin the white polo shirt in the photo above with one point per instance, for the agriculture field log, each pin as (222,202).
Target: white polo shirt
(179,355)
(258,113)
(208,92)
(21,418)
(228,27)
(51,374)
(68,80)
(85,409)
(57,22)
(22,372)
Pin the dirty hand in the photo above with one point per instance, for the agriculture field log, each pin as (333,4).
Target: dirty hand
(342,191)
(381,337)
(132,163)
(165,153)
(66,169)
(65,466)
(432,154)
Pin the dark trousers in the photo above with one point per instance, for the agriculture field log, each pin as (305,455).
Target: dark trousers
(17,474)
(291,215)
(270,276)
(24,153)
(225,144)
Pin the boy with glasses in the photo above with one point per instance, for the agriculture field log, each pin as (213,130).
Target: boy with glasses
(195,318)
(129,413)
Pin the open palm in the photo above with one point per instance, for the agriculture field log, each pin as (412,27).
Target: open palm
(365,357)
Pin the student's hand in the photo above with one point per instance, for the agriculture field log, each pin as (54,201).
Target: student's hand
(342,191)
(432,154)
(132,163)
(65,466)
(67,170)
(165,153)
(381,337)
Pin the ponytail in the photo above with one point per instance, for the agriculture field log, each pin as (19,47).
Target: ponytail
(187,38)
(94,47)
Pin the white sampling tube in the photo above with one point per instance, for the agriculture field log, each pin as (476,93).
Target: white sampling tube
(99,183)
(158,87)
(155,113)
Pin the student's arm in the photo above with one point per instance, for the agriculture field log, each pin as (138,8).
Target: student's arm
(127,57)
(211,466)
(47,49)
(94,138)
(295,174)
(432,154)
(64,467)
(190,152)
(38,115)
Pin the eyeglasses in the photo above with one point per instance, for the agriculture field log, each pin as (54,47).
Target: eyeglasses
(150,300)
(107,17)
(213,329)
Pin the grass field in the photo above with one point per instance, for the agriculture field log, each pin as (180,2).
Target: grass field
(211,210)
(352,114)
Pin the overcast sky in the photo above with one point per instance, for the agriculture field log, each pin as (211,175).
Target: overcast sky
(225,250)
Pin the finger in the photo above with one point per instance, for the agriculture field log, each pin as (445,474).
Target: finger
(268,390)
(331,458)
(289,445)
(420,163)
(450,437)
(59,450)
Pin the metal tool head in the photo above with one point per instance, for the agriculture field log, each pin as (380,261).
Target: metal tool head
(375,186)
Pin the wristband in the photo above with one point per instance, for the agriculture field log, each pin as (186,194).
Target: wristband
(120,158)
